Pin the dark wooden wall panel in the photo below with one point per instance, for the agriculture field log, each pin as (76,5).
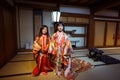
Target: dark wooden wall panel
(8,38)
(2,57)
(9,32)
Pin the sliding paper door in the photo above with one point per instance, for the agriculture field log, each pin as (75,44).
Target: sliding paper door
(110,34)
(99,33)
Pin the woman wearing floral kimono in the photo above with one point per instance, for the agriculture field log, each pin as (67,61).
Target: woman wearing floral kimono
(40,51)
(60,47)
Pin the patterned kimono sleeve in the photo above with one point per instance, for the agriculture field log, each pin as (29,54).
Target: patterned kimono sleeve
(51,45)
(36,48)
(68,47)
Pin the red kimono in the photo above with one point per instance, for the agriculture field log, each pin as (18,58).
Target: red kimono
(40,50)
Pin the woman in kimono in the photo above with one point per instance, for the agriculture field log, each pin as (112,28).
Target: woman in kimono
(60,47)
(40,51)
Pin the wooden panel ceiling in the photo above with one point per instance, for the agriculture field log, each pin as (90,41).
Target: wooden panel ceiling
(94,5)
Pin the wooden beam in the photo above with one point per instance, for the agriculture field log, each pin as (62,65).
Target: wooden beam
(83,1)
(90,2)
(65,14)
(109,17)
(37,6)
(119,14)
(105,5)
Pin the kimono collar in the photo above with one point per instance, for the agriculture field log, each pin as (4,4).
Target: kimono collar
(43,35)
(59,33)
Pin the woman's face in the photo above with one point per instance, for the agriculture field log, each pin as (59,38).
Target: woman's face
(44,30)
(60,28)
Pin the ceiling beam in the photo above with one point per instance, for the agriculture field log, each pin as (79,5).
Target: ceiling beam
(90,2)
(83,1)
(105,5)
(36,6)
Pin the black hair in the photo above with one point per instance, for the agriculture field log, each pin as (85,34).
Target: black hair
(56,24)
(44,26)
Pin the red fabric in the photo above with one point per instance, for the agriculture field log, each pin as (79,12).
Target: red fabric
(43,65)
(35,71)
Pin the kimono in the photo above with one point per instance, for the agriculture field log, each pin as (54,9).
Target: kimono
(60,47)
(40,50)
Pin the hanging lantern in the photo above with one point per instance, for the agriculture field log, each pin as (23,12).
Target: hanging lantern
(56,16)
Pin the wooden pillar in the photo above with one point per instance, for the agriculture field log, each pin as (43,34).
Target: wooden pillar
(119,14)
(91,31)
(2,47)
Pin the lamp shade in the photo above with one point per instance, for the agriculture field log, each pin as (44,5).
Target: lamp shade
(56,16)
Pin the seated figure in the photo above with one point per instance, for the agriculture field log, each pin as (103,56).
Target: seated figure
(95,54)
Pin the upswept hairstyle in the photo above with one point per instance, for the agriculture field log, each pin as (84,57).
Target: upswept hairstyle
(44,26)
(56,24)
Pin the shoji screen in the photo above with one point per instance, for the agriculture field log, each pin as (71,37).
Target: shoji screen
(118,35)
(110,34)
(99,33)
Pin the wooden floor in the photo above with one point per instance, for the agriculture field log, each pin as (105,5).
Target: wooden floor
(21,66)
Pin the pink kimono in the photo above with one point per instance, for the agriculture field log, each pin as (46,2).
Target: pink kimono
(60,47)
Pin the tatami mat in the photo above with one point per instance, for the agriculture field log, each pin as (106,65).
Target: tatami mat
(50,76)
(92,61)
(12,68)
(22,57)
(112,51)
(115,56)
(80,53)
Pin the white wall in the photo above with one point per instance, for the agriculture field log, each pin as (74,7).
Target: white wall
(26,27)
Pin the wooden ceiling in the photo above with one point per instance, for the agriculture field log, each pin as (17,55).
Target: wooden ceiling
(94,5)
